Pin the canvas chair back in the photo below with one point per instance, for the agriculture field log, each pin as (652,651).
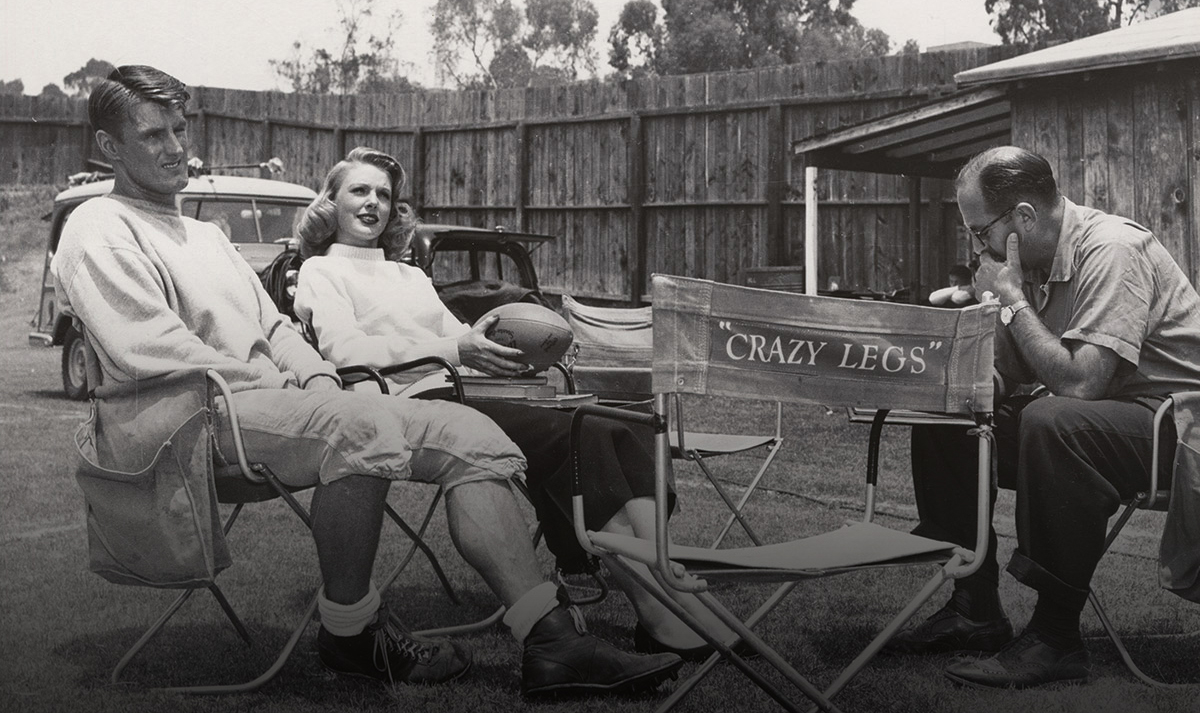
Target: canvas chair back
(1179,551)
(610,336)
(717,339)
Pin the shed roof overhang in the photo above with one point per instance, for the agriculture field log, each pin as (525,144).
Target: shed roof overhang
(1174,36)
(931,140)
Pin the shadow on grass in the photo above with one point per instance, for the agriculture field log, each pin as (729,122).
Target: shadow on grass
(1170,658)
(183,654)
(53,395)
(212,654)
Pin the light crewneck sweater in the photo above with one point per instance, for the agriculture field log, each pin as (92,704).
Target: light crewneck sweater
(159,292)
(366,309)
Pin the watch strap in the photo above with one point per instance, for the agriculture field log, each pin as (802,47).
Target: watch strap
(1017,307)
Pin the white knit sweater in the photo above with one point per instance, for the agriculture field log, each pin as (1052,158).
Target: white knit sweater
(365,309)
(159,292)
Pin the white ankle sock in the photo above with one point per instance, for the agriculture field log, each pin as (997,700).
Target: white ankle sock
(348,619)
(530,608)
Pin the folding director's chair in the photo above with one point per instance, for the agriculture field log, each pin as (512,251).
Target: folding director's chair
(614,348)
(237,483)
(1183,409)
(819,350)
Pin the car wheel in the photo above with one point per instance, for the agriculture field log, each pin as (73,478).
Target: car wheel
(74,366)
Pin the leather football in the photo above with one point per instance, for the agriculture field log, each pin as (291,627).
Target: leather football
(540,333)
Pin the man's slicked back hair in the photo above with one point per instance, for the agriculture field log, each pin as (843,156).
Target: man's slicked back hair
(1008,175)
(111,101)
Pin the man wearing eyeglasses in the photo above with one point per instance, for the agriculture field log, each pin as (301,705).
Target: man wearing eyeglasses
(1094,309)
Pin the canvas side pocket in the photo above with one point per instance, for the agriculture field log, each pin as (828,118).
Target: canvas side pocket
(152,525)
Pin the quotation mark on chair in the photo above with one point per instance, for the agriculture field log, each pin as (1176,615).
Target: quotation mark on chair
(725,324)
(935,345)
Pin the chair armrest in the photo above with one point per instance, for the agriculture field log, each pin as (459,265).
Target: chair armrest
(618,384)
(425,361)
(568,379)
(356,373)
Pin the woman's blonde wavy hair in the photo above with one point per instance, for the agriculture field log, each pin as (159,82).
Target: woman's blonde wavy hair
(318,226)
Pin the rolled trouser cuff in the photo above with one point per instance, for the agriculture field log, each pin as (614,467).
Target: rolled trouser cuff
(1036,577)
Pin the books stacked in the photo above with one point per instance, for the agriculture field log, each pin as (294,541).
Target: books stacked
(532,390)
(497,387)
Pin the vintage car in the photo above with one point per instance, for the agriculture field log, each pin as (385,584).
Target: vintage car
(258,215)
(476,269)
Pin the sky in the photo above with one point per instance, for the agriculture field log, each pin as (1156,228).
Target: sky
(229,43)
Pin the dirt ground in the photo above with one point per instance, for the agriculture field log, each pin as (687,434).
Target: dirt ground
(36,419)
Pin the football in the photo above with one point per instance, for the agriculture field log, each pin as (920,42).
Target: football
(540,333)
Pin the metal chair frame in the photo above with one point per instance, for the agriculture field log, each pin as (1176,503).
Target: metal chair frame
(680,366)
(630,386)
(1152,498)
(264,485)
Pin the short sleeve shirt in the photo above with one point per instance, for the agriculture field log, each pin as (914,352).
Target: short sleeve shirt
(1113,284)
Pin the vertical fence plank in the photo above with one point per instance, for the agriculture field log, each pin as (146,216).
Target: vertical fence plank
(636,190)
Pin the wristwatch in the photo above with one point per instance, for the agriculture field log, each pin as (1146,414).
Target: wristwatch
(1007,313)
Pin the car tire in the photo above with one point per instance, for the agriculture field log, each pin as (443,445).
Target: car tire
(74,365)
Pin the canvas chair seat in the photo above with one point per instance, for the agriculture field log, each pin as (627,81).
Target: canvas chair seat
(857,545)
(711,444)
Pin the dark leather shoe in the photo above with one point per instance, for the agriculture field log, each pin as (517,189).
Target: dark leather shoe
(946,630)
(562,658)
(1028,661)
(389,654)
(645,643)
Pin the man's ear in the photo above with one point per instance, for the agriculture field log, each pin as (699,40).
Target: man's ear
(1027,213)
(108,145)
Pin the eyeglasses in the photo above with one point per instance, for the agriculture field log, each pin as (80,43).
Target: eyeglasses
(980,234)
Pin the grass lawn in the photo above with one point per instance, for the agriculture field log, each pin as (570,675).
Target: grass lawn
(64,628)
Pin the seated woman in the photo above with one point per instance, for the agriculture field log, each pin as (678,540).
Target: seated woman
(367,308)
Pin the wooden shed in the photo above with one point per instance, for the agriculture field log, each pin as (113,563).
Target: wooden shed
(1117,115)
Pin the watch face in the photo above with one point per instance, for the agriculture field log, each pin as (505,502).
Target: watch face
(1006,315)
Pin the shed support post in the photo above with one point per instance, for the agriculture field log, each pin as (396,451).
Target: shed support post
(810,230)
(914,232)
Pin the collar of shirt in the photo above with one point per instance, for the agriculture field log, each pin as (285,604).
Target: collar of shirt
(356,252)
(1037,282)
(1063,267)
(146,206)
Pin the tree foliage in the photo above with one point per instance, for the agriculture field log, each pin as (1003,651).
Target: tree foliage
(13,87)
(52,91)
(715,35)
(1037,23)
(636,39)
(497,43)
(560,34)
(364,64)
(83,80)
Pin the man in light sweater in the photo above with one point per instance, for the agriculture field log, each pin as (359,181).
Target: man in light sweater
(158,292)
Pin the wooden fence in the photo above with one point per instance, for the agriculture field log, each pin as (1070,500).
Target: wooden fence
(688,175)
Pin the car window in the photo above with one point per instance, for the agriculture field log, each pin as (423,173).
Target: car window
(455,266)
(247,220)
